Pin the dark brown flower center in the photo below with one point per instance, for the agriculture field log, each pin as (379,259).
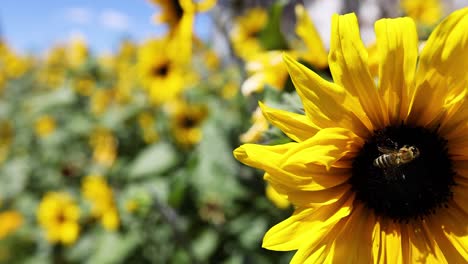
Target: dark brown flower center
(188,122)
(160,70)
(403,172)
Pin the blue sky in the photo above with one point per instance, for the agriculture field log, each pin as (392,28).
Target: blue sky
(36,25)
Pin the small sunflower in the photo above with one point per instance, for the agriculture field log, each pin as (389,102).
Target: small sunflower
(246,30)
(186,123)
(425,12)
(96,190)
(58,214)
(377,172)
(179,15)
(10,221)
(104,145)
(159,74)
(45,125)
(267,67)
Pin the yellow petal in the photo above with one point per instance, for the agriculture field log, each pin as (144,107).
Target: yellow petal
(455,119)
(460,195)
(262,157)
(449,229)
(348,60)
(305,225)
(421,246)
(442,67)
(309,165)
(295,126)
(354,243)
(325,103)
(305,29)
(279,200)
(387,242)
(69,232)
(316,199)
(397,43)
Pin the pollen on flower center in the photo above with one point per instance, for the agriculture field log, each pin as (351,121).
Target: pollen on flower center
(397,185)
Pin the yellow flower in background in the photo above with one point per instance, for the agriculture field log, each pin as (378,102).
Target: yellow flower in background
(246,30)
(279,200)
(426,12)
(58,215)
(148,127)
(78,52)
(100,100)
(171,12)
(52,73)
(96,190)
(127,51)
(316,54)
(162,78)
(186,121)
(259,126)
(179,15)
(10,221)
(13,65)
(377,171)
(265,69)
(84,85)
(45,125)
(104,146)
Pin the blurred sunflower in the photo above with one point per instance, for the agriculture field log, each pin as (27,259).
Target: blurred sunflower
(352,203)
(259,126)
(186,123)
(148,127)
(425,12)
(45,125)
(78,52)
(162,77)
(10,221)
(96,190)
(179,15)
(104,146)
(58,214)
(52,73)
(267,68)
(246,31)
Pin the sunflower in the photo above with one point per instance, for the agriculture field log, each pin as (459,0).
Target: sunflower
(45,125)
(186,123)
(58,214)
(160,75)
(267,67)
(426,12)
(179,15)
(96,190)
(10,221)
(246,31)
(354,201)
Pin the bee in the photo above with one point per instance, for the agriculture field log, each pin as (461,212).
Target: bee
(392,158)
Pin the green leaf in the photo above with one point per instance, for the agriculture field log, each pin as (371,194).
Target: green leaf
(205,244)
(155,159)
(113,247)
(271,36)
(13,177)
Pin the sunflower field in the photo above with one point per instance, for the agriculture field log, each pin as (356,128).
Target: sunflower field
(287,136)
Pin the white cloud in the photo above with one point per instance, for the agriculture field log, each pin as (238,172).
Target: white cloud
(79,15)
(114,19)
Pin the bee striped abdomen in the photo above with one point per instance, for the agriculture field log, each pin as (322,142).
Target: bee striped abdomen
(384,161)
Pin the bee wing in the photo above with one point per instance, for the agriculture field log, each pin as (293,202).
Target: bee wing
(386,150)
